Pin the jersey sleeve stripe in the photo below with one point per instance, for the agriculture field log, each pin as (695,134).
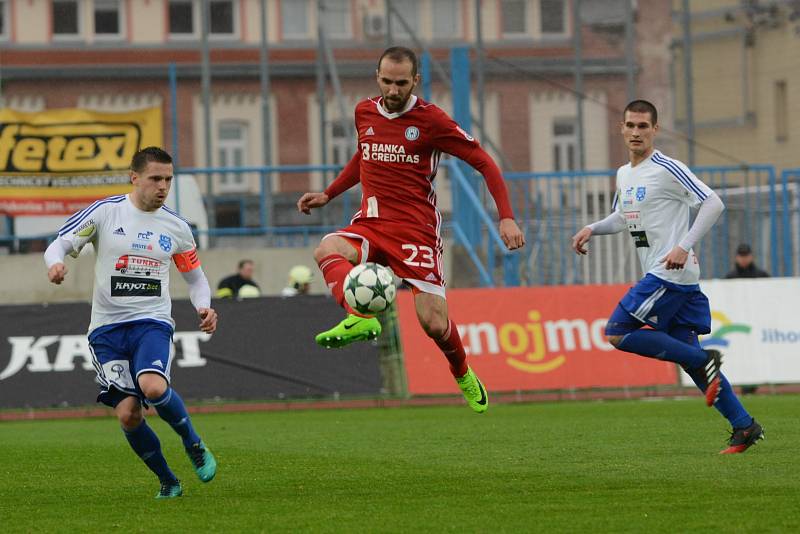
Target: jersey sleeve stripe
(79,213)
(681,176)
(69,226)
(175,213)
(676,171)
(614,202)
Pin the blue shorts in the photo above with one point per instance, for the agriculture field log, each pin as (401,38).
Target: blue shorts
(661,305)
(123,351)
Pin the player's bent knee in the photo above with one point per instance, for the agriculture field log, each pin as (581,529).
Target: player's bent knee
(434,327)
(321,251)
(130,419)
(152,385)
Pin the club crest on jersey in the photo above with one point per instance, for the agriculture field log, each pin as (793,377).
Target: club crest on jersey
(165,242)
(412,133)
(640,192)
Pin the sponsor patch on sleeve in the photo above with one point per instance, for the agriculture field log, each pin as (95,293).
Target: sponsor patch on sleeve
(186,261)
(86,229)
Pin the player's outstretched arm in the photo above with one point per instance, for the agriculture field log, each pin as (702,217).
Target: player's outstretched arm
(200,295)
(580,239)
(208,320)
(54,259)
(511,234)
(613,224)
(57,273)
(310,201)
(346,179)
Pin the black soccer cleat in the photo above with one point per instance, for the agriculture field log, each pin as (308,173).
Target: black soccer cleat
(743,438)
(712,369)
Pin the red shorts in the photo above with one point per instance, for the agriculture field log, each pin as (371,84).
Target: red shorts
(414,253)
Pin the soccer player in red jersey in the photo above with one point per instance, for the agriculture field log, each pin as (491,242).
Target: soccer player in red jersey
(400,140)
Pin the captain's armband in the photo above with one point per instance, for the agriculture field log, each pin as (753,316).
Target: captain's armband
(186,261)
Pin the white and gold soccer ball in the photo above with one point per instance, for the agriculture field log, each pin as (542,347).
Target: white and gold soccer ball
(369,288)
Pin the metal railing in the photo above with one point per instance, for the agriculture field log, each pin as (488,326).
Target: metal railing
(484,249)
(760,211)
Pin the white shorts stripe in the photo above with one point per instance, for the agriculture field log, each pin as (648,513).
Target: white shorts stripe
(644,309)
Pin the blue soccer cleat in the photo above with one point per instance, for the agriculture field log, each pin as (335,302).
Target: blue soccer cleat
(170,489)
(205,465)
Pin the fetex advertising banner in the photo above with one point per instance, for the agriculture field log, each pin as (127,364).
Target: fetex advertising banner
(529,339)
(56,162)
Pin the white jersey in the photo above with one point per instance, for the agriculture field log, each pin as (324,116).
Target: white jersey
(655,198)
(134,249)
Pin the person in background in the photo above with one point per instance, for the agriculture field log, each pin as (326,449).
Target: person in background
(299,281)
(240,285)
(745,266)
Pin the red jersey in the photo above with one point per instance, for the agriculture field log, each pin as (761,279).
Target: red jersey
(397,159)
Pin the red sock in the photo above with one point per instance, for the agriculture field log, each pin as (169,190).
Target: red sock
(334,268)
(453,350)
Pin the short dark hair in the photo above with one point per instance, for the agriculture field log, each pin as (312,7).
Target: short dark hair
(642,106)
(148,154)
(398,54)
(242,263)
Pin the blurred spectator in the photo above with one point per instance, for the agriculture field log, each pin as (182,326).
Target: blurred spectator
(745,266)
(299,281)
(240,285)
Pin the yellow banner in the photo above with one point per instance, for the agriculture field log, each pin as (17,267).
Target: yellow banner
(57,161)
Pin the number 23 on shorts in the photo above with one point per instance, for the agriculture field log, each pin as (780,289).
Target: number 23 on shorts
(418,256)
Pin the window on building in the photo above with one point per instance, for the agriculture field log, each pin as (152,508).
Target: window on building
(232,152)
(294,19)
(222,17)
(337,19)
(66,18)
(514,14)
(107,15)
(446,19)
(341,149)
(3,20)
(409,11)
(181,17)
(552,14)
(565,145)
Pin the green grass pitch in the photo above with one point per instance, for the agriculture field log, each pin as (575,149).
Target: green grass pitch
(566,467)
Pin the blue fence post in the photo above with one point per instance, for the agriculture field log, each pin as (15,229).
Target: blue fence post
(773,226)
(427,75)
(786,226)
(460,78)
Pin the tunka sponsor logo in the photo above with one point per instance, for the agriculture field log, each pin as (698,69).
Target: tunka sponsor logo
(67,147)
(533,345)
(387,153)
(123,286)
(137,265)
(47,354)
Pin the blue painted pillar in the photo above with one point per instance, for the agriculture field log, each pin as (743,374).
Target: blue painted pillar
(466,214)
(425,71)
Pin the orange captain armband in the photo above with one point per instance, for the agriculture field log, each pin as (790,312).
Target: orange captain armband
(186,261)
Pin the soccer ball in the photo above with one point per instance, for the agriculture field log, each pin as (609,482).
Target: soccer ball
(369,288)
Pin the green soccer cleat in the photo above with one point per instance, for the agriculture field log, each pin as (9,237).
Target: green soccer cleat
(474,392)
(353,328)
(170,489)
(205,465)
